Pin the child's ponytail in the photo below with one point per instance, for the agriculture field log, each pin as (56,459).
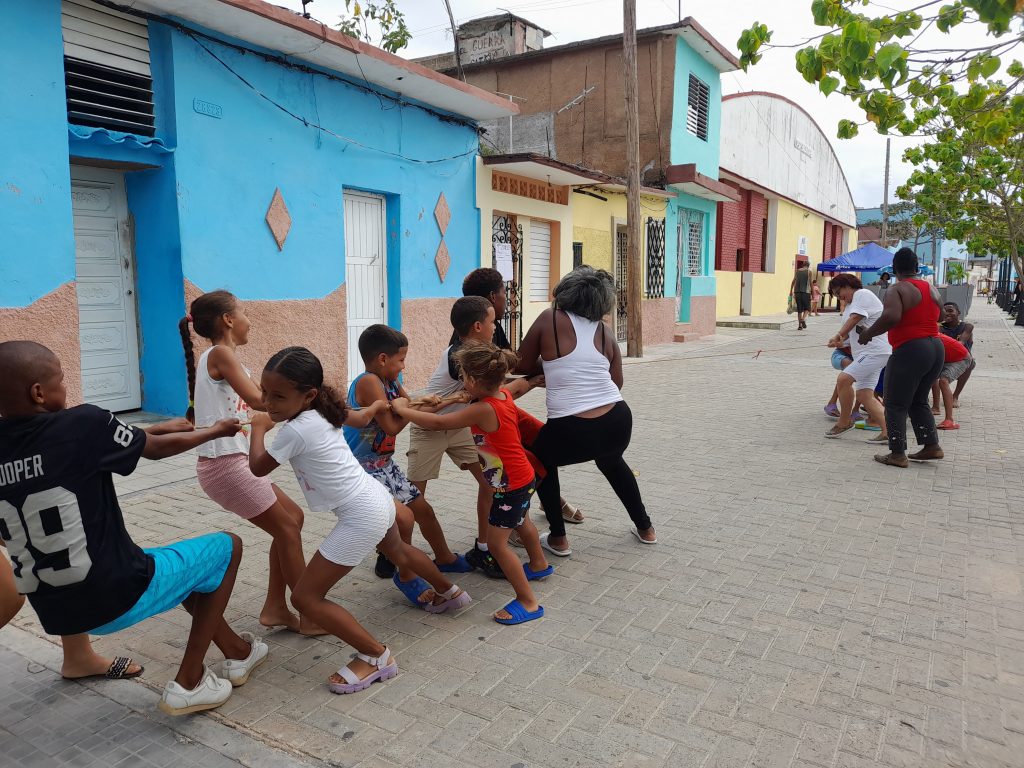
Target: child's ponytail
(190,365)
(331,405)
(302,368)
(485,362)
(204,315)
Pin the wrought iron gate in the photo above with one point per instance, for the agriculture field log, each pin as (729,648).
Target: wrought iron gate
(621,290)
(503,233)
(655,258)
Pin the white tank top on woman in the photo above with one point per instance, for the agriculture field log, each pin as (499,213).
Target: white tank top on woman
(216,400)
(581,380)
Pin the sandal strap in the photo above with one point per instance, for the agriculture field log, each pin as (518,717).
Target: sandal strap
(118,667)
(378,661)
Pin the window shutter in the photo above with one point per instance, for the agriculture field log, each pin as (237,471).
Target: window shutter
(697,101)
(540,261)
(107,68)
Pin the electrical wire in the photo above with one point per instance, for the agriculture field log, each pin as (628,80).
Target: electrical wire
(312,124)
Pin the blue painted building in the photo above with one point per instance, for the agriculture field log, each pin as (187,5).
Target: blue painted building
(171,148)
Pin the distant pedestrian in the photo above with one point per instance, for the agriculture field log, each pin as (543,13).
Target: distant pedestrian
(800,290)
(815,298)
(911,317)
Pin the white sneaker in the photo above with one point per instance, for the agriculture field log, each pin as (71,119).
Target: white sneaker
(211,692)
(238,670)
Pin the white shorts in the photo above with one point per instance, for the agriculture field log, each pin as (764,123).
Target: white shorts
(865,370)
(362,523)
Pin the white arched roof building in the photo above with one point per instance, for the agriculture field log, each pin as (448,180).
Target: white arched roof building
(773,143)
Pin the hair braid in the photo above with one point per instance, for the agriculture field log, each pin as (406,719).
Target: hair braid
(190,366)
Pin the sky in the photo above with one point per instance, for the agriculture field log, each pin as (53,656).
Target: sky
(862,158)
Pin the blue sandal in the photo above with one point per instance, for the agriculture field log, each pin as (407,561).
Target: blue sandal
(458,565)
(519,614)
(532,575)
(412,589)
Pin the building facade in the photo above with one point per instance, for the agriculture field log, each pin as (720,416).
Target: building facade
(571,109)
(172,148)
(793,205)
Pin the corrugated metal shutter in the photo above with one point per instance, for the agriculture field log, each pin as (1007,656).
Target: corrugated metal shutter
(540,260)
(107,67)
(697,101)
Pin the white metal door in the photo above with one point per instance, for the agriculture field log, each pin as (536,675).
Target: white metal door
(540,261)
(105,275)
(365,258)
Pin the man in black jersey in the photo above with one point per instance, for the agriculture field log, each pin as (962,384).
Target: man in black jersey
(64,531)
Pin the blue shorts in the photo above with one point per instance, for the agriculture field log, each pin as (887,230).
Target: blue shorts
(193,565)
(837,359)
(880,386)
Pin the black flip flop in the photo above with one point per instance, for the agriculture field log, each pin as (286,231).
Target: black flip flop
(118,670)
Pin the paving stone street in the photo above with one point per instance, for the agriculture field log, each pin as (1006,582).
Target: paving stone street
(804,606)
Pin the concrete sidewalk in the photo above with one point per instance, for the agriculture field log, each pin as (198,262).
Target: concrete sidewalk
(804,606)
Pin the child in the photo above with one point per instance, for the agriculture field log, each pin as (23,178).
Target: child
(487,283)
(815,297)
(958,362)
(383,350)
(64,530)
(332,480)
(494,422)
(220,387)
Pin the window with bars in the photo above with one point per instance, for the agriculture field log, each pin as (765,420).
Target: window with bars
(577,255)
(655,275)
(690,241)
(697,105)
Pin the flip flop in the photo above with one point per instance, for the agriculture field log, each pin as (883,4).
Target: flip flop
(832,411)
(532,575)
(572,514)
(947,424)
(458,565)
(519,614)
(412,589)
(889,461)
(878,439)
(836,431)
(118,670)
(641,539)
(862,424)
(557,552)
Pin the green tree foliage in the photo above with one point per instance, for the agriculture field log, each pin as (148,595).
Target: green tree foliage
(879,62)
(378,23)
(971,188)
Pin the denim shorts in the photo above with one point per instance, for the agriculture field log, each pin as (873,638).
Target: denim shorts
(837,359)
(193,565)
(509,508)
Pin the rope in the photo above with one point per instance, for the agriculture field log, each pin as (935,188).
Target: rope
(757,354)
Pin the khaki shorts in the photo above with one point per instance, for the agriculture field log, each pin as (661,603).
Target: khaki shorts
(426,447)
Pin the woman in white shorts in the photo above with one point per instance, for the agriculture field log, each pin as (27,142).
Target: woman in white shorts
(332,480)
(856,383)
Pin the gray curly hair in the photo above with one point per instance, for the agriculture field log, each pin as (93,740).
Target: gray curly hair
(586,292)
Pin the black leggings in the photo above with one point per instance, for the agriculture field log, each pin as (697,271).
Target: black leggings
(909,375)
(572,440)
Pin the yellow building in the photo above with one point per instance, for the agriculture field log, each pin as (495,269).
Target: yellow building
(539,218)
(795,203)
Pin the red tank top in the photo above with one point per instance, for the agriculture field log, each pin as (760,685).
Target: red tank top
(501,452)
(919,322)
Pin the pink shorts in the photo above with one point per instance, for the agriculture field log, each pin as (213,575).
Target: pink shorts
(228,481)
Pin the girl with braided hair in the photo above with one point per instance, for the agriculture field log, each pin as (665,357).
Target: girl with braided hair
(494,421)
(219,386)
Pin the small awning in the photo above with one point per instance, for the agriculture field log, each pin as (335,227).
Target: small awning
(685,178)
(534,166)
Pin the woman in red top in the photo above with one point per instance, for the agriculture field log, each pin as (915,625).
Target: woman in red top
(494,420)
(911,316)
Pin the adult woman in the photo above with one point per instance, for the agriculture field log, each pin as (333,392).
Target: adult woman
(856,382)
(911,317)
(587,418)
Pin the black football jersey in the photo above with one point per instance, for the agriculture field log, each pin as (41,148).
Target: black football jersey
(60,518)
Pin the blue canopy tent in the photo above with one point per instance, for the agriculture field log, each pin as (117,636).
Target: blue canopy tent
(870,257)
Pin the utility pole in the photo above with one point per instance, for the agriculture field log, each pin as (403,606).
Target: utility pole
(634,285)
(455,36)
(885,199)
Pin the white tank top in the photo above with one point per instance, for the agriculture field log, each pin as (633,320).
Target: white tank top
(218,400)
(581,380)
(443,385)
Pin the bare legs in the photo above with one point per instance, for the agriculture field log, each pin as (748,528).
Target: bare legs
(283,522)
(208,625)
(497,543)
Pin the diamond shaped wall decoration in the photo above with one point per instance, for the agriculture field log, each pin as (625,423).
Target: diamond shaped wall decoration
(442,213)
(442,260)
(278,219)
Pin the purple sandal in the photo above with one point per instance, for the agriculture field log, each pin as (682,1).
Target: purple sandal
(386,666)
(454,599)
